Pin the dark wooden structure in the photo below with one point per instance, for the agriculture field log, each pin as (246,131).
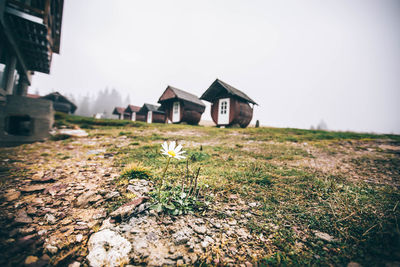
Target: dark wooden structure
(181,106)
(229,106)
(61,103)
(152,114)
(132,111)
(120,112)
(30,32)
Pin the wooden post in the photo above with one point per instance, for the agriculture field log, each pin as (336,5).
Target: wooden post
(8,80)
(23,84)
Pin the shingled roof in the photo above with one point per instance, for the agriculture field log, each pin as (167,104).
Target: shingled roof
(150,107)
(132,108)
(118,110)
(180,94)
(219,85)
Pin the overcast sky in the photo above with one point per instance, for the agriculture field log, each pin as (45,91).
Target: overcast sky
(301,61)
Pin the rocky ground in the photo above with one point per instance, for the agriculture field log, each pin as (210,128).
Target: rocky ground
(59,198)
(54,212)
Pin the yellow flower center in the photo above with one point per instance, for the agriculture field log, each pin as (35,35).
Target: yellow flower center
(172,153)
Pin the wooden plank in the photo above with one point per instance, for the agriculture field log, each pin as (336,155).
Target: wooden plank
(35,10)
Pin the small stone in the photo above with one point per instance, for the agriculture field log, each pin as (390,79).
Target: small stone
(50,219)
(31,260)
(33,188)
(42,232)
(232,222)
(253,204)
(248,264)
(27,231)
(172,250)
(193,258)
(75,264)
(128,208)
(112,195)
(79,238)
(207,241)
(12,195)
(179,262)
(324,236)
(200,229)
(354,264)
(51,249)
(107,248)
(22,217)
(181,237)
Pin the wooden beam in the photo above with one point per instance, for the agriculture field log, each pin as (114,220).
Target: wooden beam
(38,12)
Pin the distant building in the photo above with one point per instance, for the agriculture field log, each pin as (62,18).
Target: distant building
(61,103)
(132,111)
(120,112)
(181,106)
(152,114)
(229,106)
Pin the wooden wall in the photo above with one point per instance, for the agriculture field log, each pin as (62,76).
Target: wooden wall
(239,112)
(189,113)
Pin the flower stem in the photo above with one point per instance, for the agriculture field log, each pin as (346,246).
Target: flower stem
(162,179)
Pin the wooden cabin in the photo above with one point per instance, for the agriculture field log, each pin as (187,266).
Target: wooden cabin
(229,106)
(152,114)
(30,34)
(132,110)
(120,112)
(61,103)
(181,106)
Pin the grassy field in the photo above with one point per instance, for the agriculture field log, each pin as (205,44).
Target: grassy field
(304,183)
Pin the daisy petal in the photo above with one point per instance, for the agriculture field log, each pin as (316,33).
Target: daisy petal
(178,148)
(171,145)
(165,146)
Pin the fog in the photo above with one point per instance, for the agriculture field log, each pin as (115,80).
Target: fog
(303,62)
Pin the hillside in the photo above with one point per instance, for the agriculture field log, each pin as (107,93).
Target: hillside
(269,196)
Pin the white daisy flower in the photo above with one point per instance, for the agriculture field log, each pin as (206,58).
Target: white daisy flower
(172,151)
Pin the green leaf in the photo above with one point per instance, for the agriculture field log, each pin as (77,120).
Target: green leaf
(157,207)
(169,206)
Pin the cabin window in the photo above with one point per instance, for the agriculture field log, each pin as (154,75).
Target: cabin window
(19,125)
(223,111)
(176,107)
(224,106)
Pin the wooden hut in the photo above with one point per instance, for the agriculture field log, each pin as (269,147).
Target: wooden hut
(152,113)
(229,106)
(181,106)
(131,110)
(61,103)
(120,112)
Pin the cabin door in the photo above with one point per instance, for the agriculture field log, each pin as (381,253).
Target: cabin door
(149,117)
(223,111)
(176,112)
(133,116)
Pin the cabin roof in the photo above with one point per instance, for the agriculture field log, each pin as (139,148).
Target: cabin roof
(150,107)
(180,94)
(217,86)
(132,108)
(118,110)
(57,97)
